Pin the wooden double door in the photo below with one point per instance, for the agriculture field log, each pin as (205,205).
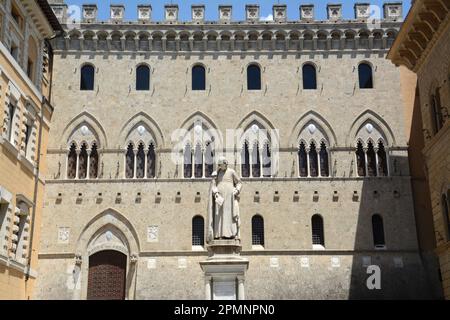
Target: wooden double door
(107,276)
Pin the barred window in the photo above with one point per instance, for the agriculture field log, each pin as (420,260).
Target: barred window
(257,231)
(317,230)
(198,234)
(378,231)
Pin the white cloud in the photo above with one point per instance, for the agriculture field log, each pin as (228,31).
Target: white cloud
(268,18)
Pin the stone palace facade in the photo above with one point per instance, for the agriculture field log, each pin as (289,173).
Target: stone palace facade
(308,113)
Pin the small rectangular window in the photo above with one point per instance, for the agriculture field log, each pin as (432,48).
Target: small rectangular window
(10,128)
(3,211)
(28,128)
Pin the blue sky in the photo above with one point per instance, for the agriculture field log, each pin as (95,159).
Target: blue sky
(238,7)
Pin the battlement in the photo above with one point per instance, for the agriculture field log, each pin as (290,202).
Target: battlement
(306,34)
(363,12)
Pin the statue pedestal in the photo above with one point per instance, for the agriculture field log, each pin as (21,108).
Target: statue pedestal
(224,271)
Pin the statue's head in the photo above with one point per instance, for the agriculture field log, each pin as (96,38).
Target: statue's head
(222,163)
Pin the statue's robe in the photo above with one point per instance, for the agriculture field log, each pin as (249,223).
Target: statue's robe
(224,221)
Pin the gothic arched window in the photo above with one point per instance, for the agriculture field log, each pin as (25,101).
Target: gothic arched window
(253,77)
(313,156)
(371,160)
(198,231)
(87,77)
(378,231)
(187,161)
(129,162)
(309,77)
(313,161)
(151,161)
(198,166)
(82,162)
(317,230)
(324,165)
(209,159)
(266,161)
(93,162)
(256,163)
(360,160)
(257,231)
(303,160)
(382,160)
(198,78)
(142,78)
(365,76)
(140,162)
(72,162)
(245,159)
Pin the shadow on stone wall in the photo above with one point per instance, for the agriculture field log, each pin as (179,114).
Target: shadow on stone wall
(410,273)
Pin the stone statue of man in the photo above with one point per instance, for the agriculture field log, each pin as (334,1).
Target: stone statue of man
(223,204)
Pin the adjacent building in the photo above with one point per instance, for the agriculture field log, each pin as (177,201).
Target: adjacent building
(25,85)
(423,46)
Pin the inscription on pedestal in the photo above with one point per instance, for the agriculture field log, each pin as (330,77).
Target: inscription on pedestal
(224,290)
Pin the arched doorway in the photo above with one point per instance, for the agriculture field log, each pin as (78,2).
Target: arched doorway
(107,275)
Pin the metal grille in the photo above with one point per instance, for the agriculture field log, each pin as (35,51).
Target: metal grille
(317,230)
(257,231)
(198,235)
(106,279)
